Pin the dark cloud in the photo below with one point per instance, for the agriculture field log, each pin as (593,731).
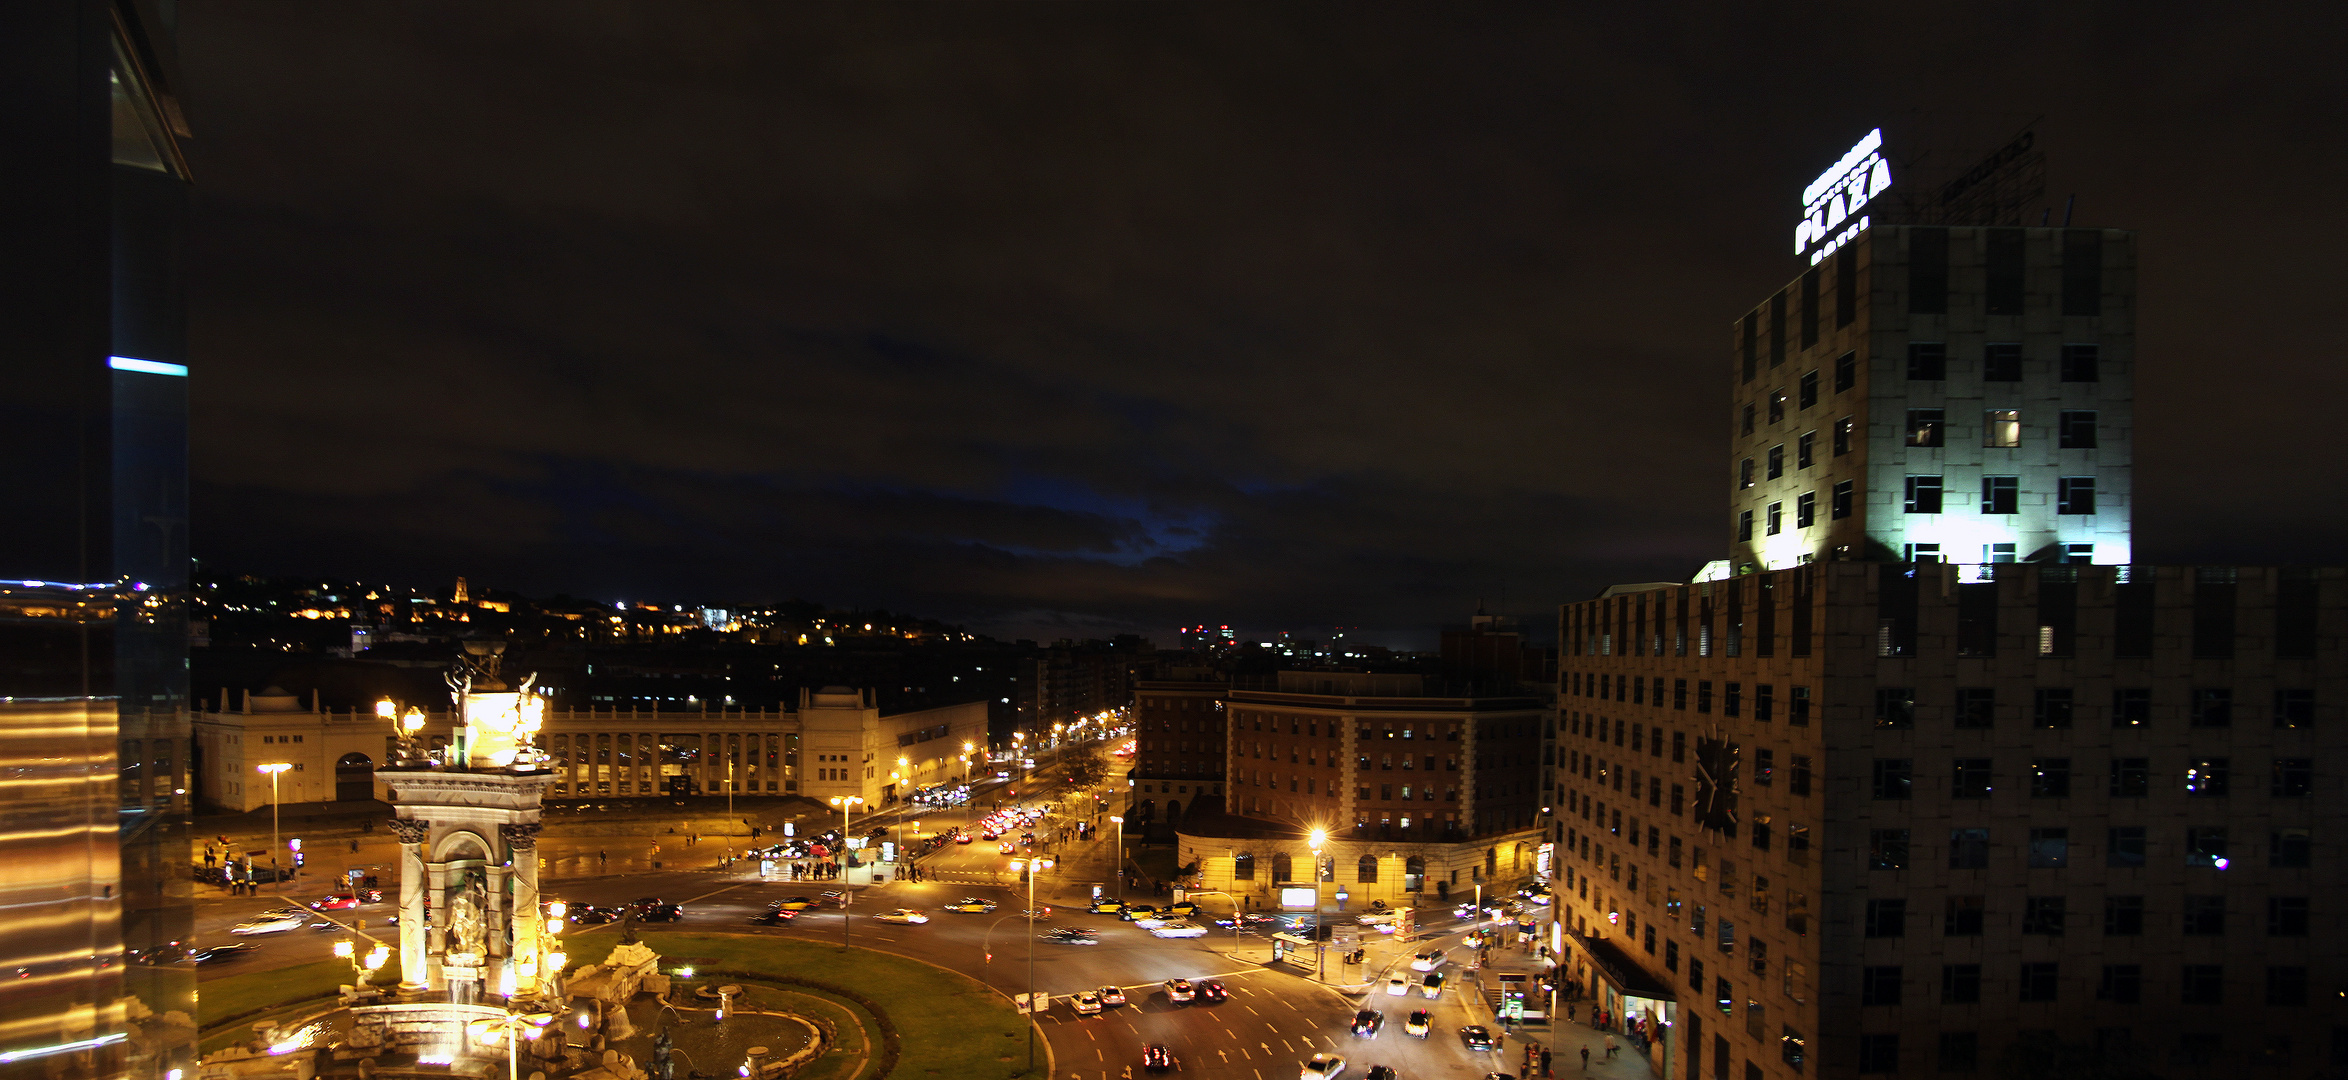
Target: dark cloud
(1059,316)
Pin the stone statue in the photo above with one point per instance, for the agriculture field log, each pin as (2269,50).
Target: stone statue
(464,921)
(664,1067)
(628,927)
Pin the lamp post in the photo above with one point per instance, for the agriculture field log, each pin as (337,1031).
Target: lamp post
(1316,839)
(844,802)
(1117,867)
(1030,867)
(274,768)
(367,965)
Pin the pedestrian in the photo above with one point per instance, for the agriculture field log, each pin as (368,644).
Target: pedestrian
(1569,1017)
(1585,1059)
(1610,1047)
(1545,1063)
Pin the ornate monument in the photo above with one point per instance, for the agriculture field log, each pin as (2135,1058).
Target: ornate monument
(467,819)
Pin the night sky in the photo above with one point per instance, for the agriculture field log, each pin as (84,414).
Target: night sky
(1065,320)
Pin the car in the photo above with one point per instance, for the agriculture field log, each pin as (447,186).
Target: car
(1427,961)
(1111,995)
(1322,1067)
(660,913)
(642,902)
(1419,1023)
(1137,912)
(275,923)
(991,834)
(295,911)
(1105,906)
(1186,909)
(1178,930)
(1040,911)
(1157,1058)
(972,904)
(1397,985)
(1072,936)
(1432,985)
(1212,991)
(903,916)
(1087,1004)
(336,902)
(961,838)
(1251,921)
(796,903)
(1006,848)
(1368,1022)
(1179,991)
(221,954)
(590,915)
(777,917)
(1475,1037)
(1381,1072)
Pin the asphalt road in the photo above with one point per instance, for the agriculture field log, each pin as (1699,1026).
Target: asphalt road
(1273,1020)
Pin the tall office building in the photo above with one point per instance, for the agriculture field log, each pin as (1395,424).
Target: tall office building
(93,624)
(1935,778)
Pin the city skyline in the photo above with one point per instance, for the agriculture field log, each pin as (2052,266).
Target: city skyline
(1123,320)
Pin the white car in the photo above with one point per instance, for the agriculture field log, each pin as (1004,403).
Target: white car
(1179,929)
(272,923)
(1086,1004)
(903,915)
(1322,1067)
(1427,961)
(1398,986)
(1179,991)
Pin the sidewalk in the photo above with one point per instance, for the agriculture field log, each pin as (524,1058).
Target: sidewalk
(1564,1039)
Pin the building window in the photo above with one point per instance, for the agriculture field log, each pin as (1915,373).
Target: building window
(2000,494)
(1365,870)
(2001,361)
(2050,707)
(2205,916)
(2204,984)
(2294,708)
(2205,845)
(1960,1051)
(1887,849)
(1925,427)
(1842,436)
(2286,916)
(1777,461)
(2050,778)
(1745,474)
(1744,526)
(2289,849)
(1928,361)
(1879,1053)
(2207,777)
(1895,707)
(1777,401)
(2042,915)
(2294,778)
(1963,916)
(1798,776)
(1846,371)
(2124,846)
(1894,778)
(1243,867)
(2075,429)
(2131,778)
(1976,707)
(1887,918)
(2213,706)
(1971,778)
(1748,422)
(1960,984)
(2286,986)
(2050,848)
(1968,849)
(1807,390)
(2001,428)
(1840,507)
(2075,495)
(2122,984)
(2081,363)
(1879,985)
(1776,518)
(2039,981)
(1923,495)
(1806,450)
(2123,916)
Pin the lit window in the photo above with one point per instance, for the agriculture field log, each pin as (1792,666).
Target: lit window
(1842,436)
(2001,428)
(1924,427)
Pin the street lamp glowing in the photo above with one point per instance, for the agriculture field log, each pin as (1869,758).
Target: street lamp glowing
(275,767)
(1319,837)
(387,708)
(414,720)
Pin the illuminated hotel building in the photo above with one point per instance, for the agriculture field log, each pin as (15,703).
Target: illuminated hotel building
(1939,394)
(93,619)
(1932,777)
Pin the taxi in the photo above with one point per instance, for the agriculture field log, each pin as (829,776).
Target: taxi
(1106,906)
(972,905)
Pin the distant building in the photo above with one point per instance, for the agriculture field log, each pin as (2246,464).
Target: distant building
(1179,743)
(836,742)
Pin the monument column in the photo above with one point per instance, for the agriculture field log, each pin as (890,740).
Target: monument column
(521,842)
(413,976)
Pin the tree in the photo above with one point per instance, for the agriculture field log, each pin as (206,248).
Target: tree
(1084,766)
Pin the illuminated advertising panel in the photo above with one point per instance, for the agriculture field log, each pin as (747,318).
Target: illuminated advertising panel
(1830,205)
(1298,899)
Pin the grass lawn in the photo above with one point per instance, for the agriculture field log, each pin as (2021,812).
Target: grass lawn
(948,1023)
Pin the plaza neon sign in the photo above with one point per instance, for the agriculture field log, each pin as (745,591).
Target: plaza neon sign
(1830,205)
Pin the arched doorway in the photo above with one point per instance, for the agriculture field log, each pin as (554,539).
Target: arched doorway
(1174,810)
(354,778)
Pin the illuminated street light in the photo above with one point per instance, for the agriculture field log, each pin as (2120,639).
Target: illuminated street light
(274,769)
(844,802)
(1031,867)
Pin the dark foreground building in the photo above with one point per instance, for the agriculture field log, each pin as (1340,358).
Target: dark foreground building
(93,561)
